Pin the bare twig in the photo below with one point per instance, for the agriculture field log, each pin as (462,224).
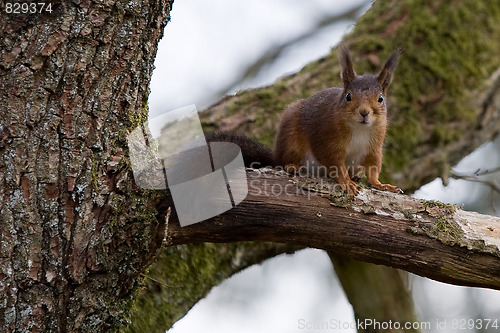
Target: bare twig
(475,177)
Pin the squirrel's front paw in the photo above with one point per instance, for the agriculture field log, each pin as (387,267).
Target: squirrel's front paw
(387,187)
(292,168)
(351,188)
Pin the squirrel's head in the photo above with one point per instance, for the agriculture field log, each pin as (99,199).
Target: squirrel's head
(364,96)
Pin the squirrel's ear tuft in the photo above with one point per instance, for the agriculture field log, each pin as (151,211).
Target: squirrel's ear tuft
(385,76)
(348,74)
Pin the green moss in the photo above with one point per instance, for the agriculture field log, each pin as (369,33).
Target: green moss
(415,231)
(145,214)
(172,284)
(124,165)
(403,135)
(184,274)
(341,199)
(449,208)
(265,97)
(447,231)
(122,320)
(139,117)
(428,87)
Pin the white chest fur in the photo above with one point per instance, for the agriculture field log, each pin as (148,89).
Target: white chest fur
(358,146)
(355,154)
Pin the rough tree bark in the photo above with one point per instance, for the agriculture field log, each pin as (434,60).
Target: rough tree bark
(75,231)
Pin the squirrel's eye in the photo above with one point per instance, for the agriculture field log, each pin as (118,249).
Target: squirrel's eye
(380,99)
(348,97)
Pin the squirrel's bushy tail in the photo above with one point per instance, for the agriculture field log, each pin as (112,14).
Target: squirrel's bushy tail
(255,154)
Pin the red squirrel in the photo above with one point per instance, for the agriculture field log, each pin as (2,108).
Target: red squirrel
(340,129)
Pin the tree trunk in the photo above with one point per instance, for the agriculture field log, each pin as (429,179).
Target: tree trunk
(75,231)
(377,293)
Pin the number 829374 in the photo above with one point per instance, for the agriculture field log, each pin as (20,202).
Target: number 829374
(28,7)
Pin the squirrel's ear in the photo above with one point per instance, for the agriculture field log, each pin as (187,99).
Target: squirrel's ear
(385,76)
(348,74)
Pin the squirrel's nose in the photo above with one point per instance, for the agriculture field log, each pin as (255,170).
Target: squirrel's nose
(363,113)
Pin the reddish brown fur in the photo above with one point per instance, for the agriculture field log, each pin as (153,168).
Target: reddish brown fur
(331,127)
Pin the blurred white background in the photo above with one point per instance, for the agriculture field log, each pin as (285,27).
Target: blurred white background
(206,52)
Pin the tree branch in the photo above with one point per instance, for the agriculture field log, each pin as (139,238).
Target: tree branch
(476,178)
(428,238)
(187,274)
